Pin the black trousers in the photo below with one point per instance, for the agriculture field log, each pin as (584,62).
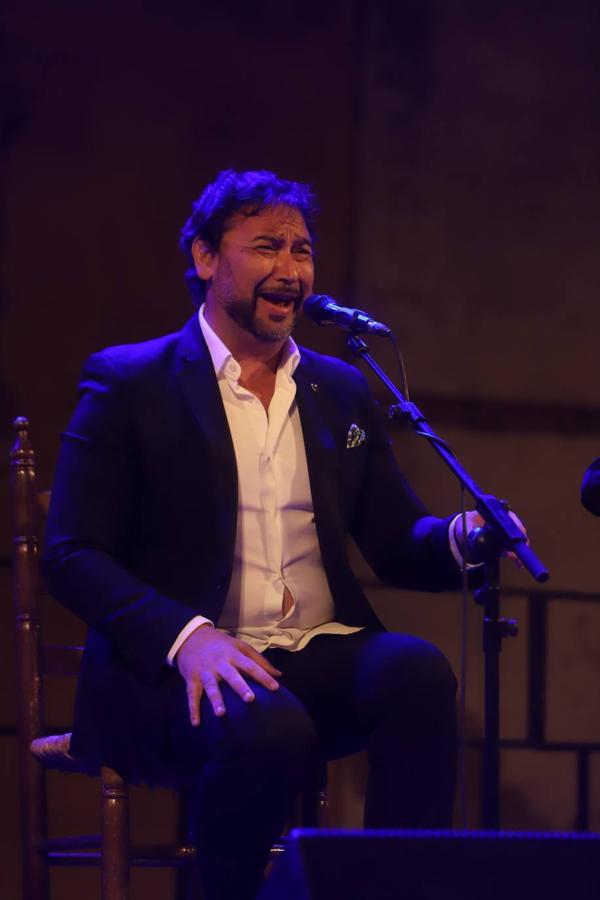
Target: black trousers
(390,694)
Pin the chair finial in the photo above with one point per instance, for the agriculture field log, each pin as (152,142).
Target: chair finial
(22,451)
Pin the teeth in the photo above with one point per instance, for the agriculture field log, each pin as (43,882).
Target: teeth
(279,301)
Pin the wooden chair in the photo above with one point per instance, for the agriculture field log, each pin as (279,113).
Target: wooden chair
(38,751)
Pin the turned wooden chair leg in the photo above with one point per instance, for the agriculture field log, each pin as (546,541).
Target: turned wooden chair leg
(115,836)
(33,830)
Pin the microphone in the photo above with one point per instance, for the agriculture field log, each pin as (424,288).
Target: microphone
(324,310)
(590,488)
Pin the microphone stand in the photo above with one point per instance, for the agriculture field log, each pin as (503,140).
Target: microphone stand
(483,545)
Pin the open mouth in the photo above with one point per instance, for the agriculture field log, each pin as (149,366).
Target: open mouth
(282,302)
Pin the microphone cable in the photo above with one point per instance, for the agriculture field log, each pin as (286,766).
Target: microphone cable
(400,362)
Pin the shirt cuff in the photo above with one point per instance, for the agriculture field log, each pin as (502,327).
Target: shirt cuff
(454,548)
(185,632)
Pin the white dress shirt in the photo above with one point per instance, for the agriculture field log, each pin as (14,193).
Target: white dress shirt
(276,543)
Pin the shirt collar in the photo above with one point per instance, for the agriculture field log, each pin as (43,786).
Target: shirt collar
(221,355)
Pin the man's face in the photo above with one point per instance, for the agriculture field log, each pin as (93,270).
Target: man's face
(261,273)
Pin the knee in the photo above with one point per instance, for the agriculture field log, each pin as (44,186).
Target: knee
(285,735)
(418,669)
(433,672)
(273,731)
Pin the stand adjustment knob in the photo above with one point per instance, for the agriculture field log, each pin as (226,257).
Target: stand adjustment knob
(495,630)
(485,594)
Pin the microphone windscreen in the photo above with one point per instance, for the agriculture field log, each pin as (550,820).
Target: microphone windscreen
(314,305)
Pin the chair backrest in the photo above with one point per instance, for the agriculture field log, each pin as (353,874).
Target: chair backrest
(33,659)
(29,508)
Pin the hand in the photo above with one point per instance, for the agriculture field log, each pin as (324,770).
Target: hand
(208,656)
(474,520)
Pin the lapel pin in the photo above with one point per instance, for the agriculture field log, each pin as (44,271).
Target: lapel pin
(314,387)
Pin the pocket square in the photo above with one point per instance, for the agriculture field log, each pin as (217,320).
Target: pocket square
(355,437)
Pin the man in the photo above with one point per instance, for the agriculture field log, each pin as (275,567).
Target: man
(206,487)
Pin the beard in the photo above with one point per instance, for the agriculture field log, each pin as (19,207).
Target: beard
(245,314)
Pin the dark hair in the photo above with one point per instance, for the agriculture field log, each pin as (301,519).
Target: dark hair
(233,192)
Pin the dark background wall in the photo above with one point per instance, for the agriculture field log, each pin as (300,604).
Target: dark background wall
(455,151)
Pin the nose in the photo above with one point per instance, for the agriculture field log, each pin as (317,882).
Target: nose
(285,267)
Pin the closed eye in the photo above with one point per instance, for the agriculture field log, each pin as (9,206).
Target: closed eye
(302,252)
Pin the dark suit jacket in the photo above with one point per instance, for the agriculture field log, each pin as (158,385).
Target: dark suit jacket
(142,523)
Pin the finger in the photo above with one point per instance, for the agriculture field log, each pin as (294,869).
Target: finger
(472,520)
(213,692)
(253,654)
(258,673)
(519,523)
(510,554)
(233,678)
(194,695)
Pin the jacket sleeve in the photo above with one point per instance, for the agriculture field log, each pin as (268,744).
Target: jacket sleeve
(403,544)
(90,523)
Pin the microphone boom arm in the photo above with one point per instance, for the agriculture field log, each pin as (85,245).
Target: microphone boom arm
(494,511)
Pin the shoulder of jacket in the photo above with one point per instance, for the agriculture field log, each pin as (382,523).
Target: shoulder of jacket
(129,360)
(330,366)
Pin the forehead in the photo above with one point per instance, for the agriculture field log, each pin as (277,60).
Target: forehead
(275,221)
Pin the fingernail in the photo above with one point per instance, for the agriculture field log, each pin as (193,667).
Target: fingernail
(220,711)
(248,696)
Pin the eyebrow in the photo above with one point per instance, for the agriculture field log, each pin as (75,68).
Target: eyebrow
(275,239)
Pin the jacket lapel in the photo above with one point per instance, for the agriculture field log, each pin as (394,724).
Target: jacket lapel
(198,382)
(320,443)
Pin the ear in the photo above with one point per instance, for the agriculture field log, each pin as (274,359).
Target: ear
(205,259)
